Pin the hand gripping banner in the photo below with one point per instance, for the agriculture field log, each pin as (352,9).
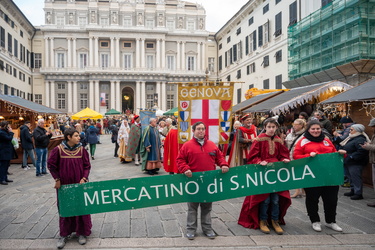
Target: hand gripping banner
(116,195)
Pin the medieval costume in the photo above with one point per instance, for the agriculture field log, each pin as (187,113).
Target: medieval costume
(171,149)
(70,165)
(150,150)
(270,149)
(134,140)
(122,140)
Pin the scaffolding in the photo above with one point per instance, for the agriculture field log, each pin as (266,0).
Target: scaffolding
(339,33)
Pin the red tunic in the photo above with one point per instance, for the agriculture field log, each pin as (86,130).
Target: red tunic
(264,149)
(71,167)
(171,148)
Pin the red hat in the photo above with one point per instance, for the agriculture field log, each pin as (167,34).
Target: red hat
(244,117)
(135,118)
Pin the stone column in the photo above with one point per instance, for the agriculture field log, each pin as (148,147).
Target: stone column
(163,97)
(118,55)
(68,55)
(138,95)
(203,57)
(70,97)
(53,98)
(143,94)
(198,56)
(158,54)
(96,52)
(91,52)
(96,97)
(47,94)
(158,91)
(143,59)
(178,59)
(112,52)
(74,53)
(46,53)
(137,54)
(91,94)
(183,57)
(112,95)
(163,54)
(75,97)
(118,97)
(52,53)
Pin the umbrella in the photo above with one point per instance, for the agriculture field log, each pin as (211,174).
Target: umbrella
(173,111)
(113,112)
(86,114)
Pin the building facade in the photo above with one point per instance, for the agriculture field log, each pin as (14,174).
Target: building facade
(253,44)
(119,54)
(16,34)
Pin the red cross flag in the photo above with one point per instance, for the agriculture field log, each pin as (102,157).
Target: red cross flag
(211,105)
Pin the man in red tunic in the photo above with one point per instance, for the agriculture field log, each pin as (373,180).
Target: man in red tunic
(69,163)
(197,155)
(266,148)
(171,148)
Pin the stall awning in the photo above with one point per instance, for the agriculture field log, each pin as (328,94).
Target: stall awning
(28,105)
(363,92)
(87,113)
(254,100)
(297,96)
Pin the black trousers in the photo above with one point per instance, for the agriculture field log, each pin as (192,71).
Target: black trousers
(116,149)
(329,197)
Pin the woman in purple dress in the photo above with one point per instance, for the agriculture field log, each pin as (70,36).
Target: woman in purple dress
(69,163)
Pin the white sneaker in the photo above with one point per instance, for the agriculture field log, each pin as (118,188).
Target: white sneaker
(317,226)
(27,167)
(334,226)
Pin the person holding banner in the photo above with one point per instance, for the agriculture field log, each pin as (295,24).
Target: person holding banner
(312,143)
(197,155)
(69,163)
(266,148)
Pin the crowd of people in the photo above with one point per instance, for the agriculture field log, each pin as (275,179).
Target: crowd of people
(154,146)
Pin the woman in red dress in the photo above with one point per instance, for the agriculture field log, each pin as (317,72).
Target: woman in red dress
(266,148)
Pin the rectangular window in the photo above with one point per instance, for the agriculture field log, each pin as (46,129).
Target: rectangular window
(60,21)
(211,64)
(61,86)
(278,25)
(150,45)
(10,40)
(260,36)
(14,72)
(292,13)
(83,101)
(104,44)
(190,63)
(127,44)
(2,37)
(171,62)
(170,101)
(60,101)
(104,60)
(254,40)
(220,62)
(83,86)
(239,95)
(2,65)
(37,60)
(234,50)
(38,98)
(266,84)
(220,46)
(279,56)
(228,78)
(266,61)
(60,60)
(250,68)
(15,48)
(150,100)
(238,31)
(83,60)
(228,39)
(127,22)
(226,59)
(266,9)
(150,61)
(251,21)
(247,45)
(127,61)
(277,1)
(21,33)
(104,21)
(150,24)
(238,74)
(82,21)
(279,81)
(265,33)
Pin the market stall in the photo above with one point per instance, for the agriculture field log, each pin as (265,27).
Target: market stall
(87,113)
(359,104)
(17,110)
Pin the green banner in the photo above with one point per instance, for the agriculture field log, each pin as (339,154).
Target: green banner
(209,186)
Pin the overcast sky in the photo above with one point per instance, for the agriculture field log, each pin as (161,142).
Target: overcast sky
(218,11)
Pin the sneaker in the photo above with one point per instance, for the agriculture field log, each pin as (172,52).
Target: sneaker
(190,236)
(24,168)
(28,167)
(334,226)
(61,243)
(317,226)
(82,240)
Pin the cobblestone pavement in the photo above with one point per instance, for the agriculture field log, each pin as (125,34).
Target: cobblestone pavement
(29,218)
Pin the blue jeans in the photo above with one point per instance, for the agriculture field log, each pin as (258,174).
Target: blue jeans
(41,160)
(26,154)
(273,198)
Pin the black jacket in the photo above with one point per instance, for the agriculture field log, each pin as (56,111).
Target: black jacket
(356,155)
(40,137)
(26,138)
(6,146)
